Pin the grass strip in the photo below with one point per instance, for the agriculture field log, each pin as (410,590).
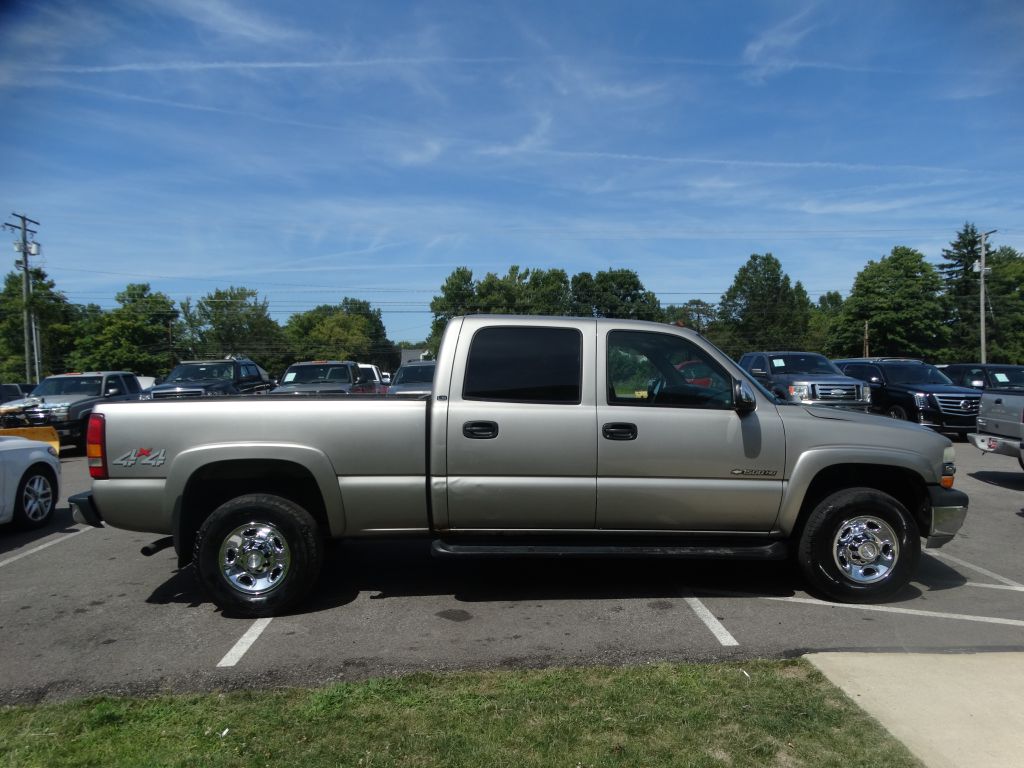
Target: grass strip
(756,713)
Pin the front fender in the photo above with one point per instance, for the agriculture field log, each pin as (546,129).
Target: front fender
(814,461)
(187,463)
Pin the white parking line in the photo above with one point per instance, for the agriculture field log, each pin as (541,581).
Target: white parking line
(993,586)
(245,642)
(903,611)
(976,568)
(712,623)
(32,551)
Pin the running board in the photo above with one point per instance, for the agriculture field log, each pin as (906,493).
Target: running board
(501,547)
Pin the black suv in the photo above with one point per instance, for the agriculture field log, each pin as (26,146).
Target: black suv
(807,378)
(985,375)
(911,389)
(209,378)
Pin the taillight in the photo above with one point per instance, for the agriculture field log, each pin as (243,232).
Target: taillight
(95,446)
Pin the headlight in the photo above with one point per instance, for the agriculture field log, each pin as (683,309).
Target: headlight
(866,394)
(948,467)
(800,391)
(214,393)
(60,412)
(920,399)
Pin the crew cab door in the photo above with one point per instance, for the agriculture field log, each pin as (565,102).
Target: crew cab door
(673,453)
(521,442)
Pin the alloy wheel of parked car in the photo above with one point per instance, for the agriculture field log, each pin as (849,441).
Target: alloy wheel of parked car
(35,500)
(258,555)
(859,545)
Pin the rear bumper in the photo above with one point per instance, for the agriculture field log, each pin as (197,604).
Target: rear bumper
(949,509)
(1007,446)
(84,511)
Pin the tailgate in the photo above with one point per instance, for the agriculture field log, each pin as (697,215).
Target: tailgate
(1002,413)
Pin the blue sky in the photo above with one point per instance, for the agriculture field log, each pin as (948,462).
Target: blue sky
(315,150)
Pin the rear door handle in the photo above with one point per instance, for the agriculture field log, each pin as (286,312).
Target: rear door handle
(619,430)
(480,430)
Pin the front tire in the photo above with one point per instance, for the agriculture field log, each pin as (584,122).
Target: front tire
(36,498)
(897,412)
(258,555)
(860,545)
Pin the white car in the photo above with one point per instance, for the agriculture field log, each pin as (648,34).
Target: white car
(29,482)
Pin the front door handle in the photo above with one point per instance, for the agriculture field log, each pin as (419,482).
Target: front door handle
(480,430)
(619,430)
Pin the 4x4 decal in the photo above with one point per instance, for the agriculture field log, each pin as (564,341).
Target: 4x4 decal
(145,456)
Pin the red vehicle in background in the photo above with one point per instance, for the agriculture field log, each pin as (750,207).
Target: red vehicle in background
(370,381)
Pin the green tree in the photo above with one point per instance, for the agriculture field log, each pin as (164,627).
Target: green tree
(457,296)
(138,335)
(962,289)
(56,322)
(695,313)
(762,309)
(613,293)
(383,352)
(234,321)
(1004,305)
(899,297)
(825,316)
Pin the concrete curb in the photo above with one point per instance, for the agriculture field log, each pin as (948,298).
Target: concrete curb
(950,710)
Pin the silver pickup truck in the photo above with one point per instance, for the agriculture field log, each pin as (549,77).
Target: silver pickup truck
(1001,422)
(542,437)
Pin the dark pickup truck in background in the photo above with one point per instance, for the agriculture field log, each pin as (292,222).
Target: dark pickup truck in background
(807,378)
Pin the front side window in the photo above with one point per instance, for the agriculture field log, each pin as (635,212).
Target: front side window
(520,364)
(662,370)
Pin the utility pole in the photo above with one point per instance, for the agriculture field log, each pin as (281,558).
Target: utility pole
(866,339)
(26,248)
(982,291)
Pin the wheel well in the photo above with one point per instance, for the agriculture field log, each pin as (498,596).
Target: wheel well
(904,485)
(216,483)
(41,466)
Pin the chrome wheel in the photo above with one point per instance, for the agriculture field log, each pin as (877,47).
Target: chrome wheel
(866,549)
(37,498)
(255,558)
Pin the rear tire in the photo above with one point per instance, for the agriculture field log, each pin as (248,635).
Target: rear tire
(36,498)
(258,555)
(860,545)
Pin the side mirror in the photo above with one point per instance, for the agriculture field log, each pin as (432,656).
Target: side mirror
(743,397)
(759,373)
(875,380)
(112,391)
(978,384)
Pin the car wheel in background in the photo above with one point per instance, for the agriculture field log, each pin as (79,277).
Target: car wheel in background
(859,545)
(258,555)
(36,498)
(897,412)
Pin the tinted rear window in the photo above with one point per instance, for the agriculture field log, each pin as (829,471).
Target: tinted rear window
(525,364)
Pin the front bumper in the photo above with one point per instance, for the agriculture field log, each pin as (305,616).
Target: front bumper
(1006,446)
(946,422)
(949,509)
(84,511)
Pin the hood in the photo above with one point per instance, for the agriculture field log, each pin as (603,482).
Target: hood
(48,400)
(816,378)
(313,388)
(938,389)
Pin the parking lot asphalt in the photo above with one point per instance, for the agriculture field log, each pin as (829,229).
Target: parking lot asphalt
(82,612)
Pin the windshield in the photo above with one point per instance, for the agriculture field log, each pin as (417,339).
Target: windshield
(1011,377)
(915,373)
(202,372)
(802,363)
(414,374)
(70,385)
(309,374)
